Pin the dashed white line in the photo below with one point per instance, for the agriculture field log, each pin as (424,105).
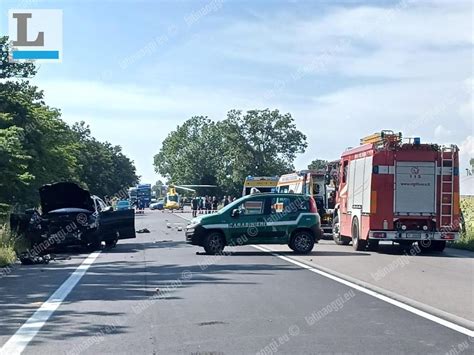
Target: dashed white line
(19,341)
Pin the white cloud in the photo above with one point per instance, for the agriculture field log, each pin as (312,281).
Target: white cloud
(441,132)
(466,150)
(370,68)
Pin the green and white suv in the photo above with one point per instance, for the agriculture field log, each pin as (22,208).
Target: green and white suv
(263,218)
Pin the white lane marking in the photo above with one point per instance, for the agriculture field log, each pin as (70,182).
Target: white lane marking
(396,303)
(19,341)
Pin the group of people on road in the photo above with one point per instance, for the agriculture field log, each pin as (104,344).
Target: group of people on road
(208,204)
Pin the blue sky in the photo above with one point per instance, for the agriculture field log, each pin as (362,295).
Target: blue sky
(133,70)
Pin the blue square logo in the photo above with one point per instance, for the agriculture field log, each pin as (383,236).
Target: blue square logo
(36,34)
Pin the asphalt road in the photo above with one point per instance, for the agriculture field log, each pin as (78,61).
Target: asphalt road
(157,295)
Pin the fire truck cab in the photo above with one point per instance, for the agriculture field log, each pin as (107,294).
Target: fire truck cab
(397,191)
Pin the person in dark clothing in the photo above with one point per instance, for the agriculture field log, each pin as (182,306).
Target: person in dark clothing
(200,205)
(226,200)
(208,205)
(195,206)
(215,204)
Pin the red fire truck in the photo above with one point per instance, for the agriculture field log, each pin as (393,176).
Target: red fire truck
(397,190)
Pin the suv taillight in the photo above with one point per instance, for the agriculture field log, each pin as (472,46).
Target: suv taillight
(312,205)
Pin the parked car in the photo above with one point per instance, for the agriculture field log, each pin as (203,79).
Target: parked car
(123,205)
(263,218)
(157,205)
(70,215)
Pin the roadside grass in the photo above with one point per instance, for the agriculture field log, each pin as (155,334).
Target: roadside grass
(11,244)
(467,237)
(7,246)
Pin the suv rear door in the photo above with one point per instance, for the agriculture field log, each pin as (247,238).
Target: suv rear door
(284,214)
(117,224)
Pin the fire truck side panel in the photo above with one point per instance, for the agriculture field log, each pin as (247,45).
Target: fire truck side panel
(356,190)
(382,181)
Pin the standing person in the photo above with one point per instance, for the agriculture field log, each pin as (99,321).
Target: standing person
(194,206)
(208,205)
(226,200)
(199,205)
(141,206)
(215,203)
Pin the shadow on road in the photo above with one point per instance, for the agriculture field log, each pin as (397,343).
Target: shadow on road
(127,279)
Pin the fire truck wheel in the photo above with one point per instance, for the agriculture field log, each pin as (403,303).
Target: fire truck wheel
(431,245)
(438,245)
(357,243)
(373,245)
(336,233)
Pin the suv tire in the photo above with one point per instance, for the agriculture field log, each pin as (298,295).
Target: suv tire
(336,233)
(357,243)
(214,243)
(302,242)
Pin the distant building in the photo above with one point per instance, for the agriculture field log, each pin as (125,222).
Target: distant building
(467,185)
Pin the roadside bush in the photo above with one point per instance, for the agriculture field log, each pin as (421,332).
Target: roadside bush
(467,236)
(4,212)
(7,246)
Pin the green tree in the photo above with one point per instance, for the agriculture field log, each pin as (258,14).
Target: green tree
(102,167)
(157,188)
(191,153)
(37,147)
(36,143)
(260,142)
(318,164)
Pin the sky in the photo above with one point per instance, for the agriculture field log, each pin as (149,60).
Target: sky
(134,70)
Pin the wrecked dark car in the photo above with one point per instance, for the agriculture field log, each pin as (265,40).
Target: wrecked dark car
(71,216)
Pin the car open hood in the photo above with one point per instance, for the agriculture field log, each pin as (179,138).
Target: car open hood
(64,195)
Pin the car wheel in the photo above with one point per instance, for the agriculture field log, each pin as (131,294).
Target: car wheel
(336,233)
(214,243)
(111,243)
(95,245)
(302,242)
(357,243)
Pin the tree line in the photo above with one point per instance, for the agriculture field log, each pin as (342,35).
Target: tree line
(37,147)
(225,152)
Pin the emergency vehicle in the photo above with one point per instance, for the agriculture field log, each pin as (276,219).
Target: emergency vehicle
(397,190)
(262,183)
(312,183)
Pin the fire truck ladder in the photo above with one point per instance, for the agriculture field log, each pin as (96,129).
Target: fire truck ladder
(447,187)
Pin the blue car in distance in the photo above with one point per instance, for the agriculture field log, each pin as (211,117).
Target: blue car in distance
(157,205)
(123,205)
